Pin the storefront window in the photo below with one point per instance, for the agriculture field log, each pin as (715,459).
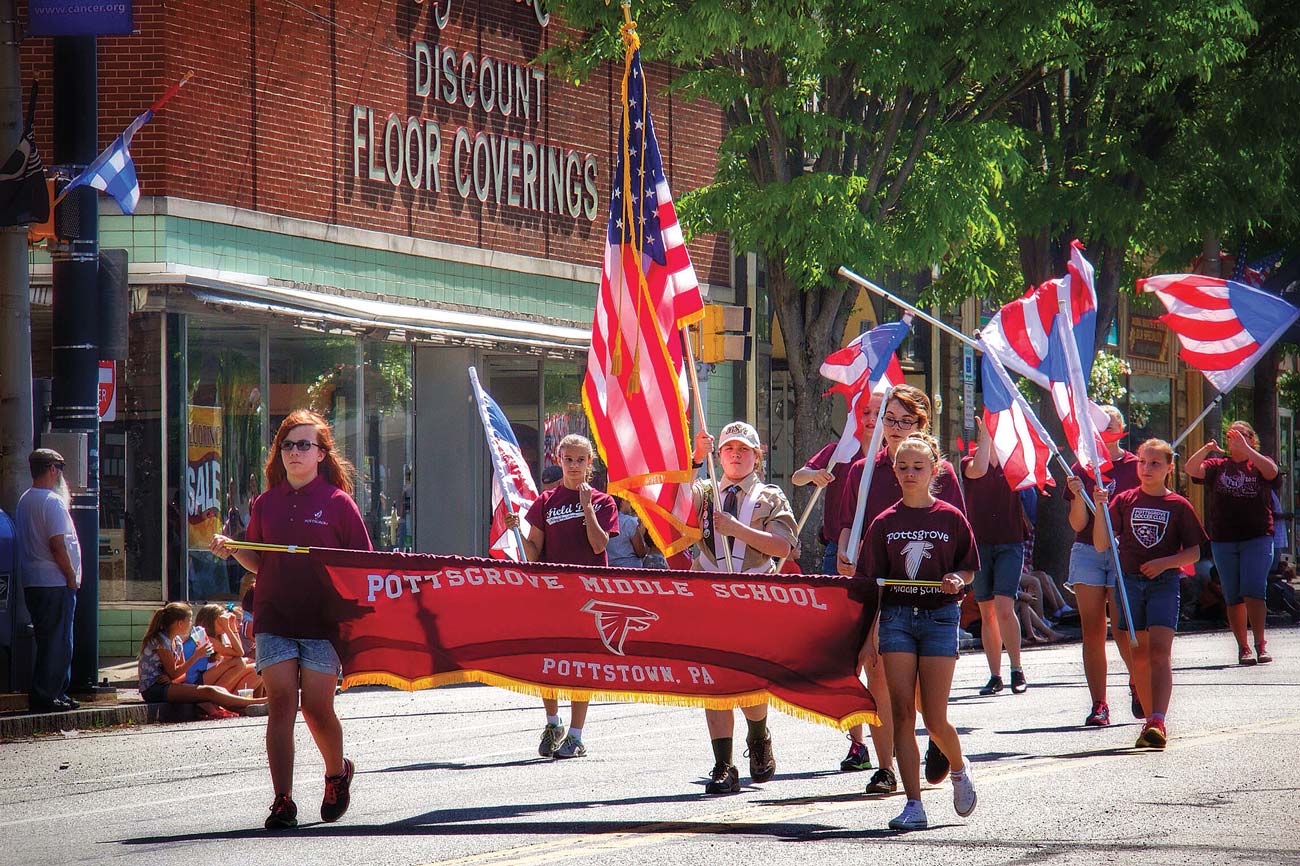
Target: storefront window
(1149,411)
(563,412)
(386,491)
(223,448)
(512,381)
(316,372)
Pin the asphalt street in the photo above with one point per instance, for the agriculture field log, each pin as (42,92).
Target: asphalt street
(452,776)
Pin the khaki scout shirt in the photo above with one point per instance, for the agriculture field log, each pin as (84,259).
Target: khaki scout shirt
(772,513)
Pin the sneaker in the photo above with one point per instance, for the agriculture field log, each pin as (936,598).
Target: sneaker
(551,739)
(1261,654)
(571,747)
(1018,684)
(1099,717)
(882,781)
(337,794)
(762,763)
(723,779)
(284,814)
(1153,736)
(1244,656)
(993,686)
(963,792)
(911,818)
(858,758)
(1135,703)
(936,764)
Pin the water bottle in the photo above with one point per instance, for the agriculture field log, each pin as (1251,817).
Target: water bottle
(200,637)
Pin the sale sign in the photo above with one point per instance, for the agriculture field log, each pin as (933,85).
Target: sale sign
(203,475)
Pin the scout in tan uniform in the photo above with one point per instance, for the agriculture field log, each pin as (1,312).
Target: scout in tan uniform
(755,520)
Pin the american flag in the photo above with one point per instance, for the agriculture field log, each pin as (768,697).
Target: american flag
(867,363)
(1021,331)
(635,391)
(1021,444)
(510,476)
(1224,327)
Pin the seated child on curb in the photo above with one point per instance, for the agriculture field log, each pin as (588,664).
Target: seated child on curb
(163,664)
(227,667)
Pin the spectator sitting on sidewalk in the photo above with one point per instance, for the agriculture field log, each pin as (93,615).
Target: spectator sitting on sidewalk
(1281,593)
(228,667)
(1053,604)
(163,666)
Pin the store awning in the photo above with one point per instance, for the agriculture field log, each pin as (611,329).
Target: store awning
(420,323)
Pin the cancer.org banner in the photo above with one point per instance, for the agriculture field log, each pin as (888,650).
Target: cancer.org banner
(73,18)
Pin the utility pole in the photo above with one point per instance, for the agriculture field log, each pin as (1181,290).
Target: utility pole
(75,400)
(15,297)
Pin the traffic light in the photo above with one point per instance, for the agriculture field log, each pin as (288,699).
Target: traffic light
(723,334)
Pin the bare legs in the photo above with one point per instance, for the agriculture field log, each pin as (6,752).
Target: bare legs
(934,674)
(286,683)
(1253,610)
(998,628)
(1092,602)
(577,711)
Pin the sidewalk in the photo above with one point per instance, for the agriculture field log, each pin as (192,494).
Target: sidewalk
(127,709)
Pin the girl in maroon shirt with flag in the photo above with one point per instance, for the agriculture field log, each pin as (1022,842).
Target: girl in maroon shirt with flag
(307,502)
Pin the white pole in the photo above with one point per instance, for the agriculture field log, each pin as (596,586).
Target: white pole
(1209,407)
(500,472)
(704,428)
(868,469)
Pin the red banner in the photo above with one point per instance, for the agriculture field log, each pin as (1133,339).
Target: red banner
(415,621)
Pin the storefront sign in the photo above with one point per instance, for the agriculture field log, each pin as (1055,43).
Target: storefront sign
(107,391)
(73,18)
(418,151)
(1148,338)
(203,475)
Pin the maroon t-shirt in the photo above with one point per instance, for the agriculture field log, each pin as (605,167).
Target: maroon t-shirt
(1238,507)
(885,491)
(992,507)
(558,514)
(834,491)
(1150,527)
(1123,475)
(921,544)
(291,600)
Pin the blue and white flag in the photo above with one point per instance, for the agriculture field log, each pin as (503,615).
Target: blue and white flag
(113,171)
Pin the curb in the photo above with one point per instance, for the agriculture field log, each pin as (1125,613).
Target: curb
(26,725)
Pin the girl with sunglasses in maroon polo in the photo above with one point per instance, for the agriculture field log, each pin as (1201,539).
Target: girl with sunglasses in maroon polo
(307,502)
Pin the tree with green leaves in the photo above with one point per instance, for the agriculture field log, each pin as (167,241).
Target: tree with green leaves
(861,133)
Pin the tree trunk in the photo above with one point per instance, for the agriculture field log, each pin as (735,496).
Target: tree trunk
(1265,414)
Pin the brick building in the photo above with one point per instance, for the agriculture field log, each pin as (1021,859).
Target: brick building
(347,206)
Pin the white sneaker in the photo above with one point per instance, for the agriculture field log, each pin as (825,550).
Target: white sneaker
(963,791)
(911,818)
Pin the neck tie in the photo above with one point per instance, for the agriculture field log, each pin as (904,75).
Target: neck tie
(729,501)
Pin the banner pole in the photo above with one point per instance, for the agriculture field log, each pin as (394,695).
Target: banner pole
(868,469)
(500,472)
(1196,422)
(803,518)
(704,428)
(916,311)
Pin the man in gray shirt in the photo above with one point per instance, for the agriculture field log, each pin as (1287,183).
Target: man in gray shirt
(50,559)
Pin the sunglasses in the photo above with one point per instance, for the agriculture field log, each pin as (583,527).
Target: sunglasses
(301,445)
(59,466)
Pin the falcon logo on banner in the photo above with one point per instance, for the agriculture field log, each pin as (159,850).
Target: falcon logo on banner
(510,477)
(1224,327)
(635,390)
(614,622)
(1021,450)
(868,363)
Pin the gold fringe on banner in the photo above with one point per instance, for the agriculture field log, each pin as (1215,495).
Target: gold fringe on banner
(750,699)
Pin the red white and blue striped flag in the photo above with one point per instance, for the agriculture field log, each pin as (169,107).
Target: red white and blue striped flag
(1018,438)
(510,477)
(1224,327)
(868,363)
(635,390)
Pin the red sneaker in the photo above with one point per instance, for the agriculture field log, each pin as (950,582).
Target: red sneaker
(1099,717)
(337,794)
(1153,736)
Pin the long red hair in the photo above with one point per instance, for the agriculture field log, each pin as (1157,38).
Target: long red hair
(335,467)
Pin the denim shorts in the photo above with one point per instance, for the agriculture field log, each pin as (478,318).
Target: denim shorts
(918,631)
(1243,567)
(999,572)
(314,655)
(1154,600)
(1090,567)
(156,693)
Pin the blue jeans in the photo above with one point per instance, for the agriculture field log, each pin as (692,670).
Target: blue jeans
(51,609)
(999,574)
(1090,567)
(829,558)
(918,631)
(1243,567)
(313,654)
